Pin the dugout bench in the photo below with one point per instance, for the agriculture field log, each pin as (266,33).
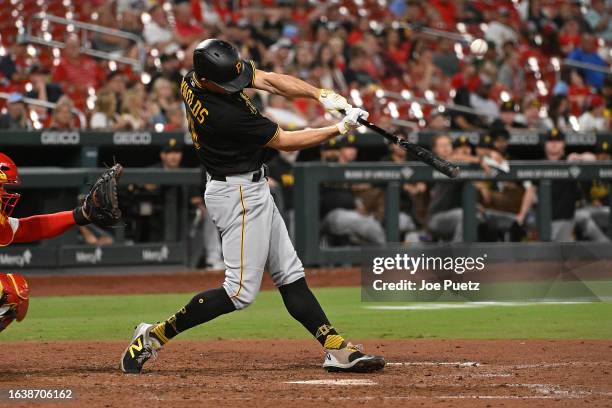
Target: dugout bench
(310,176)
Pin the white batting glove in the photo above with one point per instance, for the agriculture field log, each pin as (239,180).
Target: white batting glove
(332,101)
(350,120)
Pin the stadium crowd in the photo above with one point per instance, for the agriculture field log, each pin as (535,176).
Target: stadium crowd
(528,77)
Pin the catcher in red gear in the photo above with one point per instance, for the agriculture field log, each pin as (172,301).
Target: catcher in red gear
(100,207)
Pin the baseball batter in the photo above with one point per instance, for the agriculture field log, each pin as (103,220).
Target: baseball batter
(233,141)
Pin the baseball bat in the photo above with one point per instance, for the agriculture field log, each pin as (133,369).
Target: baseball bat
(424,155)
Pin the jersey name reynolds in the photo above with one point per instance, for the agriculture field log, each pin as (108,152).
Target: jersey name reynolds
(197,109)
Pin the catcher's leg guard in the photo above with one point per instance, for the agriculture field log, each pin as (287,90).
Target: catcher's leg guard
(14,298)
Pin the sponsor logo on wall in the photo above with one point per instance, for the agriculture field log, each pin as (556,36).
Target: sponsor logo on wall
(586,139)
(132,138)
(152,255)
(373,174)
(524,138)
(16,260)
(51,137)
(88,257)
(407,172)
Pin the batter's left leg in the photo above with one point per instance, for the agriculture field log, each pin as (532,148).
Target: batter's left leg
(288,274)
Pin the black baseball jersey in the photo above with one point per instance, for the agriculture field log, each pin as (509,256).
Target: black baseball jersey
(228,132)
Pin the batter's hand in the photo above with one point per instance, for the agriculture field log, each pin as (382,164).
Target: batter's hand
(332,101)
(350,120)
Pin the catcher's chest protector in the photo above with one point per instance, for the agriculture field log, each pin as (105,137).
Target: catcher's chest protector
(8,227)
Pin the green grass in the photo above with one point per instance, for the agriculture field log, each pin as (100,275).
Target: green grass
(113,318)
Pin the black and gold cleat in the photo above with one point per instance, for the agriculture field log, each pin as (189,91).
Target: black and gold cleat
(351,359)
(142,347)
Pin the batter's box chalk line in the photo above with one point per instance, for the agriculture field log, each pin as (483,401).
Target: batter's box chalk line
(344,382)
(559,364)
(436,363)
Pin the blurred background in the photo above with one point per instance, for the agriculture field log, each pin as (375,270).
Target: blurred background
(527,112)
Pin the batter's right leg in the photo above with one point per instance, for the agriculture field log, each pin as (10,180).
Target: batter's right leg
(243,215)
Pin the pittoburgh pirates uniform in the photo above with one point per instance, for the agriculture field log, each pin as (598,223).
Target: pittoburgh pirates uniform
(100,206)
(233,141)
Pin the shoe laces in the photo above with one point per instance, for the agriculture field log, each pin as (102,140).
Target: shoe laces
(147,352)
(355,347)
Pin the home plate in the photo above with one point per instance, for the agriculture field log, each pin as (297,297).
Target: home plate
(347,381)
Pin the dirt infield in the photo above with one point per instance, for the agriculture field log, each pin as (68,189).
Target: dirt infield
(439,373)
(182,282)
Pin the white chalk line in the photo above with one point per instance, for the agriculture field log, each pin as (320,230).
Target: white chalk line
(542,391)
(443,397)
(501,366)
(466,305)
(492,375)
(436,363)
(559,364)
(343,382)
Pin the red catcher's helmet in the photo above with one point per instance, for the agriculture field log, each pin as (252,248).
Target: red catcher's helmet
(8,175)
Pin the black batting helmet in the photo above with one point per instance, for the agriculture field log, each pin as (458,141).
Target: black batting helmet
(219,62)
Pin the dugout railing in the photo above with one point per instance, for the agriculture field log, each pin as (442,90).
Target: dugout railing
(82,147)
(57,189)
(310,176)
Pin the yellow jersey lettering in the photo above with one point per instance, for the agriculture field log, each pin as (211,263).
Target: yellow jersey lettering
(202,115)
(189,97)
(196,108)
(194,135)
(248,102)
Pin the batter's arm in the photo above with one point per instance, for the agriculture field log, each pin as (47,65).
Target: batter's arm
(302,139)
(284,85)
(292,87)
(290,141)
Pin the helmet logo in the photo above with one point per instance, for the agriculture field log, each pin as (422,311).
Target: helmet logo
(238,66)
(3,176)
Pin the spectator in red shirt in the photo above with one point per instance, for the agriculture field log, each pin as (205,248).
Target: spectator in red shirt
(75,72)
(577,93)
(397,48)
(569,37)
(187,31)
(447,11)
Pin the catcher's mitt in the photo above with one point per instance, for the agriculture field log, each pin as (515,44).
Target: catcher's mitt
(101,205)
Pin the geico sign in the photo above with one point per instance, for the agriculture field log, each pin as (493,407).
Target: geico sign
(59,138)
(132,138)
